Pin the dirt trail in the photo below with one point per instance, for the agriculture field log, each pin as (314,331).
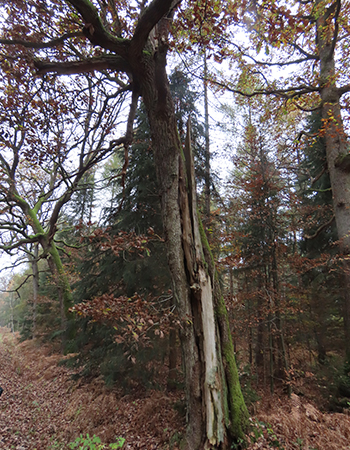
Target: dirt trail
(34,398)
(41,408)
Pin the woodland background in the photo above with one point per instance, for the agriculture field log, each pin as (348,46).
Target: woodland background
(91,275)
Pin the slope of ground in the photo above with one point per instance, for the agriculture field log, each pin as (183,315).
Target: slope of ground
(296,424)
(42,408)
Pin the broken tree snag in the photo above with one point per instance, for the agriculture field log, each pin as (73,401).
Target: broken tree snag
(203,313)
(192,194)
(226,412)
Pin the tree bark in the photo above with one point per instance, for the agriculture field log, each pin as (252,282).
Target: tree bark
(35,271)
(207,145)
(171,382)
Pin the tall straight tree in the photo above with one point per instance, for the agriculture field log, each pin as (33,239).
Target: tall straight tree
(134,43)
(207,143)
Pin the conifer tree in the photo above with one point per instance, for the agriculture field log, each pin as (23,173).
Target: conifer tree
(82,202)
(137,204)
(258,208)
(136,208)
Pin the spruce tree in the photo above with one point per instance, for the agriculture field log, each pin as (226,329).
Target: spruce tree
(135,208)
(260,227)
(319,231)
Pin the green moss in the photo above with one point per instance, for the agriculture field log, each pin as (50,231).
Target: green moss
(53,251)
(239,416)
(62,279)
(238,411)
(224,388)
(39,230)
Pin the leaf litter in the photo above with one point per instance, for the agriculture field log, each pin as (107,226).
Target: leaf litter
(42,408)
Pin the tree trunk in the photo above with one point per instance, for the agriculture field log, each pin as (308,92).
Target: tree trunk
(207,145)
(337,157)
(54,260)
(216,413)
(171,383)
(259,346)
(35,271)
(283,366)
(63,289)
(12,323)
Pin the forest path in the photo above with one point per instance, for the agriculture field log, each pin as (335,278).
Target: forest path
(42,408)
(34,398)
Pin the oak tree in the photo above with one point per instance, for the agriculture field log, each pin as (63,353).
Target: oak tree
(51,135)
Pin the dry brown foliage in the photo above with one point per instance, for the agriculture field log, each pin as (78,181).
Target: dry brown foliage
(296,424)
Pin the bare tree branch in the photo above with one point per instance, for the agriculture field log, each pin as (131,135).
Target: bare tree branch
(320,229)
(41,45)
(288,93)
(344,89)
(337,5)
(89,65)
(20,243)
(317,177)
(307,56)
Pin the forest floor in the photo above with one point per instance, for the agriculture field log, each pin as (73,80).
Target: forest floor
(42,408)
